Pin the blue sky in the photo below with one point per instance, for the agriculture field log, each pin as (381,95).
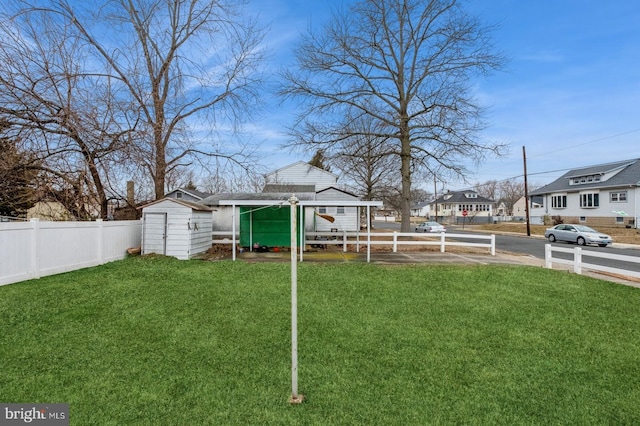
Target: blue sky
(570,93)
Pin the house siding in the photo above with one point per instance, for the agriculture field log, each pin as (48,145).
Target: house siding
(348,220)
(604,215)
(302,174)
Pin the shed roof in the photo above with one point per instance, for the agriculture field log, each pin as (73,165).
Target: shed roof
(189,204)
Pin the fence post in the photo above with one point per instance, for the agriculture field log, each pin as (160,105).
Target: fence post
(395,242)
(100,240)
(493,245)
(442,242)
(577,260)
(344,241)
(35,236)
(547,256)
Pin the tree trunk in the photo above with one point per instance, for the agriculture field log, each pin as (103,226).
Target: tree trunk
(405,170)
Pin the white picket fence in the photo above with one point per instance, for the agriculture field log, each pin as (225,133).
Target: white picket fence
(579,264)
(36,249)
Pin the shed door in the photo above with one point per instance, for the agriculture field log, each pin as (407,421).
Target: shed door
(154,236)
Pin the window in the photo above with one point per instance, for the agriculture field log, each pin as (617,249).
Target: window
(559,201)
(589,200)
(583,219)
(322,210)
(340,210)
(178,195)
(618,197)
(620,219)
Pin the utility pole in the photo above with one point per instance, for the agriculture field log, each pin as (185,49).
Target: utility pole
(526,191)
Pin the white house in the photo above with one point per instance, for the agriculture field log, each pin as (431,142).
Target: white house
(263,217)
(602,195)
(302,173)
(459,206)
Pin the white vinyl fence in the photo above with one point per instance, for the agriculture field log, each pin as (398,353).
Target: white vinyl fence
(578,260)
(36,249)
(393,239)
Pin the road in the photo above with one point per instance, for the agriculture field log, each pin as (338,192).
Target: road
(534,246)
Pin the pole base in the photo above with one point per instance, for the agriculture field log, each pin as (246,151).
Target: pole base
(296,399)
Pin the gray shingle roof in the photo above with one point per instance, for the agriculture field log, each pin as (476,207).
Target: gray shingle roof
(459,197)
(628,174)
(213,200)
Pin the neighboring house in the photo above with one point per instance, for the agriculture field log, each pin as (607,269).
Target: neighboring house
(264,218)
(453,205)
(602,195)
(421,209)
(302,173)
(520,208)
(49,211)
(185,194)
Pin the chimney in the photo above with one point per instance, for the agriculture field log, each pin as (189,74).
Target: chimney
(130,193)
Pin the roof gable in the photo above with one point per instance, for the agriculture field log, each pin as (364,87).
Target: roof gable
(301,165)
(188,204)
(607,175)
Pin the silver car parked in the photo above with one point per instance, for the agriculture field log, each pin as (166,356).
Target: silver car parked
(579,234)
(430,227)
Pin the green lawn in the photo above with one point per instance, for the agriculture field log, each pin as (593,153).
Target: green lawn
(161,341)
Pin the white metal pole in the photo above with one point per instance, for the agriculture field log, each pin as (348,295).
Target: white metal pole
(233,230)
(368,234)
(295,397)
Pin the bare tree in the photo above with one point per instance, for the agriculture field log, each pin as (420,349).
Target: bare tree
(17,179)
(66,118)
(406,63)
(180,63)
(365,160)
(489,189)
(510,192)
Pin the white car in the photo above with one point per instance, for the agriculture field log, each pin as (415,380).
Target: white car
(579,234)
(430,227)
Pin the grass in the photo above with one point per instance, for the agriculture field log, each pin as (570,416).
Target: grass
(152,340)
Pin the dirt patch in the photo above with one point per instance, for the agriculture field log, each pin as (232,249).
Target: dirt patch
(217,252)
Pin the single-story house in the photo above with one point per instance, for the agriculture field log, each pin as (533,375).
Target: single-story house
(458,206)
(263,218)
(421,209)
(601,195)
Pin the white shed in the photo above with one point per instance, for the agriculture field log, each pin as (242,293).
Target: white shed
(176,228)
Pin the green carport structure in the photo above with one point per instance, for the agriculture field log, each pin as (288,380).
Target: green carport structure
(267,221)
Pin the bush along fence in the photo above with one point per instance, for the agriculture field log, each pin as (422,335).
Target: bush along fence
(36,249)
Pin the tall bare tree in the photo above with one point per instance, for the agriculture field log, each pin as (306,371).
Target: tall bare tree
(186,67)
(64,116)
(365,160)
(409,65)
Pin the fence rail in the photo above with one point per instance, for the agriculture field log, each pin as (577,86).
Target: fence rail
(36,249)
(394,239)
(579,264)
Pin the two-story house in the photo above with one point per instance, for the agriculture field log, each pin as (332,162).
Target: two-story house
(602,195)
